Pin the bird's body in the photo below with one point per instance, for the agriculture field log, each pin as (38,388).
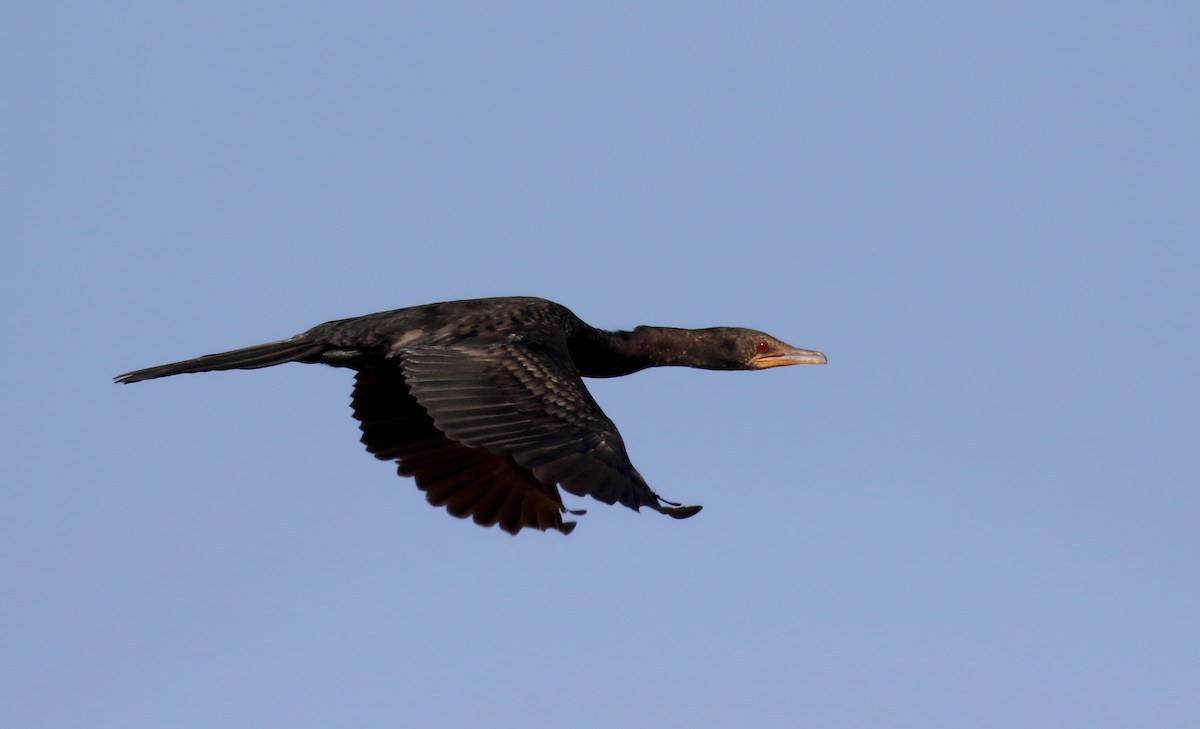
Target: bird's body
(483,403)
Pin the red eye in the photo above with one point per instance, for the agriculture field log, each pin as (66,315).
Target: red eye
(762,346)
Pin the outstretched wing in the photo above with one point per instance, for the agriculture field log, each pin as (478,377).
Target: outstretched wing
(525,401)
(475,482)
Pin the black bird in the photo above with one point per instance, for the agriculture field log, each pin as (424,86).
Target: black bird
(482,402)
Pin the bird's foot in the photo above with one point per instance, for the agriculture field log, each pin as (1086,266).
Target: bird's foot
(675,510)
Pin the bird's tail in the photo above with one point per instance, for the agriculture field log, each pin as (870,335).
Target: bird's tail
(296,349)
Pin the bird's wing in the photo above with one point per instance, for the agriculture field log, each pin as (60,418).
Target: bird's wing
(525,400)
(489,487)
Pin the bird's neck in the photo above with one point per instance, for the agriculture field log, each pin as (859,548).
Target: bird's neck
(600,353)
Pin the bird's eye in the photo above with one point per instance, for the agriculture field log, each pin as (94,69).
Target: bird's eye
(761,346)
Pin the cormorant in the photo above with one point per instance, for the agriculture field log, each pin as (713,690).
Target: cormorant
(482,403)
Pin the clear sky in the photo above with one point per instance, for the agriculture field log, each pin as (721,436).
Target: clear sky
(982,513)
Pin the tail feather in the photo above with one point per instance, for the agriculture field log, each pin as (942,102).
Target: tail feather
(248,358)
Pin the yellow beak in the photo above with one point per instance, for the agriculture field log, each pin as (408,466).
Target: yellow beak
(789,357)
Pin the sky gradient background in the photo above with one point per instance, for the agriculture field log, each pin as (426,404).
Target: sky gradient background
(982,513)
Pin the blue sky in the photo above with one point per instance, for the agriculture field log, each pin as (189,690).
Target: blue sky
(982,513)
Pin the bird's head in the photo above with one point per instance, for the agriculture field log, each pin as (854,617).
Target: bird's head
(734,348)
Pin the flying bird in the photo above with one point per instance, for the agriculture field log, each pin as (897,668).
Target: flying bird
(482,401)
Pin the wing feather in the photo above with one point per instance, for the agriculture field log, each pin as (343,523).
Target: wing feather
(526,401)
(490,488)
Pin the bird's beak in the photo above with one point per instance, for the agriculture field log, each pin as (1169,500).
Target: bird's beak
(790,357)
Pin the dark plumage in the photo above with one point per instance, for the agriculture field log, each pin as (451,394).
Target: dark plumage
(482,401)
